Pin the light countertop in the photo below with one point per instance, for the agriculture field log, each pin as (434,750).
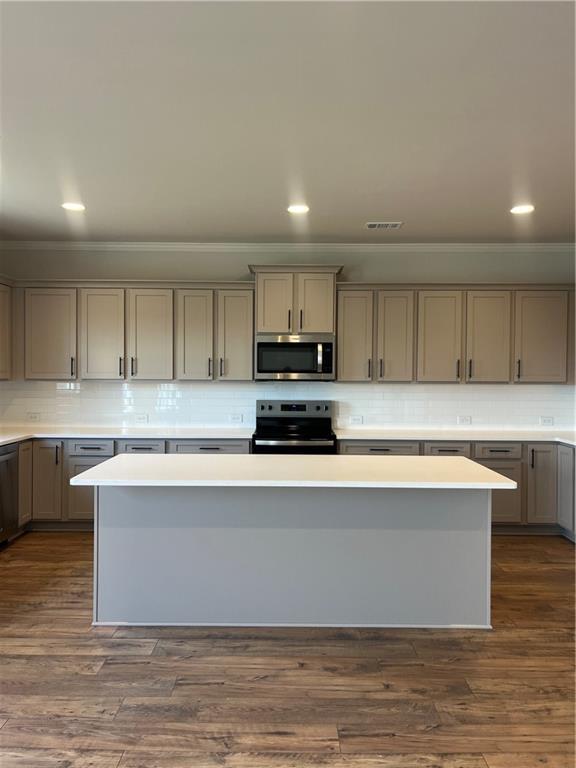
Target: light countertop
(170,470)
(18,433)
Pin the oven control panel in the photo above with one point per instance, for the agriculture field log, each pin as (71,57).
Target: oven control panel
(287,408)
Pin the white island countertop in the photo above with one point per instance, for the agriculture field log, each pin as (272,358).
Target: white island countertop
(166,470)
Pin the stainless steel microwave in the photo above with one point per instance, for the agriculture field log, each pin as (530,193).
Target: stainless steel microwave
(296,358)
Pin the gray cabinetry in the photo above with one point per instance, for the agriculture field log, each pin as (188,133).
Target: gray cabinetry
(439,336)
(566,487)
(47,480)
(208,446)
(541,483)
(445,448)
(506,505)
(80,455)
(540,338)
(379,448)
(5,332)
(140,446)
(25,482)
(50,333)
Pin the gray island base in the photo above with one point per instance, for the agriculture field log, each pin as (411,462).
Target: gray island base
(241,541)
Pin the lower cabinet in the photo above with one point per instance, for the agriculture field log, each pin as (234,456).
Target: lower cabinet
(566,487)
(378,448)
(208,446)
(140,446)
(541,483)
(507,505)
(78,500)
(47,480)
(25,482)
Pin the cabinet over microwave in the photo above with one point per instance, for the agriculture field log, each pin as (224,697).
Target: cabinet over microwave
(294,358)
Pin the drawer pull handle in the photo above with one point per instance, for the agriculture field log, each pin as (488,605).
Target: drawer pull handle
(90,447)
(380,450)
(448,450)
(209,448)
(141,448)
(499,450)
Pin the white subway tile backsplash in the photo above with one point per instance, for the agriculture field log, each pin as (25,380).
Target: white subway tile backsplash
(214,404)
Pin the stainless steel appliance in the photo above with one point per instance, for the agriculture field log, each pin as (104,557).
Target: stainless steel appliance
(295,357)
(294,426)
(8,491)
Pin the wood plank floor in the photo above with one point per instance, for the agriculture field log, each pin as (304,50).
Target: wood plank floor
(80,697)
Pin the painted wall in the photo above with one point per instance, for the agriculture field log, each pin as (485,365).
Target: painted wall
(411,263)
(186,403)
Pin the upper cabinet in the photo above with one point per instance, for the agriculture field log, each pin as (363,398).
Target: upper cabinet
(355,334)
(315,303)
(293,302)
(5,332)
(488,318)
(439,336)
(235,335)
(206,350)
(395,336)
(540,338)
(101,333)
(50,333)
(150,333)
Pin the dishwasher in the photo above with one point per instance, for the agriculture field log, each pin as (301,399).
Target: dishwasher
(8,491)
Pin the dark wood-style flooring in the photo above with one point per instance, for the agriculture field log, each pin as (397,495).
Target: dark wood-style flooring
(82,697)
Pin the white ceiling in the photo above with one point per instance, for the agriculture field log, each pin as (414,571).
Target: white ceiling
(201,122)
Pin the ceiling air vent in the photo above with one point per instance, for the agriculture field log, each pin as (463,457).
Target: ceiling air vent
(384,224)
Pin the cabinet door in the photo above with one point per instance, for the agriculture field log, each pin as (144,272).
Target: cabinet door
(78,499)
(315,300)
(541,336)
(24,482)
(355,329)
(566,487)
(5,332)
(506,505)
(488,327)
(101,333)
(541,498)
(395,336)
(274,302)
(235,335)
(50,333)
(150,333)
(47,480)
(194,334)
(439,335)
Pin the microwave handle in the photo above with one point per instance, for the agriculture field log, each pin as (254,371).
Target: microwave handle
(320,354)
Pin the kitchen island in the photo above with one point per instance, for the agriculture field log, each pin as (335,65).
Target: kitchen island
(399,541)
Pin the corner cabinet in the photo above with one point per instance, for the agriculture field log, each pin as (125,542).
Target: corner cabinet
(541,484)
(541,337)
(50,333)
(439,336)
(295,301)
(150,334)
(5,332)
(101,333)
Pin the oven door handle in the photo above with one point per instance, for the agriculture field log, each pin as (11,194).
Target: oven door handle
(257,441)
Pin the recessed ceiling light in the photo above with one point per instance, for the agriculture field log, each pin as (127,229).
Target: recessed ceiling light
(298,208)
(524,208)
(74,206)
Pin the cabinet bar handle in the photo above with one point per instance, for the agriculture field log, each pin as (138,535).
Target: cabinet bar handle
(141,448)
(120,367)
(381,367)
(532,458)
(209,448)
(499,450)
(518,364)
(458,369)
(132,368)
(289,319)
(71,366)
(380,450)
(301,320)
(57,455)
(447,450)
(369,368)
(209,367)
(470,368)
(90,447)
(221,366)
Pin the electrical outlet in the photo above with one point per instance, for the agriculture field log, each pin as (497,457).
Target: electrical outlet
(546,421)
(141,418)
(33,416)
(463,419)
(356,419)
(236,418)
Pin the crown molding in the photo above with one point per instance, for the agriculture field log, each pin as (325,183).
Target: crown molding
(290,249)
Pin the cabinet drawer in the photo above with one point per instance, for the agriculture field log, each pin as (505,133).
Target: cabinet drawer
(378,447)
(208,446)
(447,449)
(498,451)
(90,447)
(140,446)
